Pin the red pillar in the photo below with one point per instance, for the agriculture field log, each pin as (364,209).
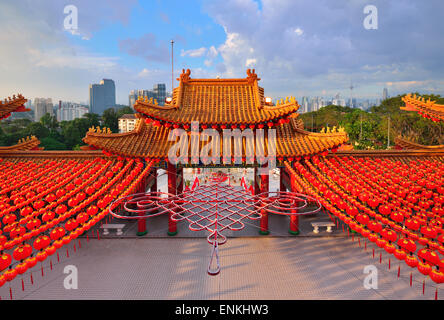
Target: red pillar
(154,185)
(281,180)
(141,223)
(180,176)
(264,192)
(256,182)
(294,218)
(172,173)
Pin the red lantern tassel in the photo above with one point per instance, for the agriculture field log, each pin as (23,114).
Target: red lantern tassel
(10,292)
(373,253)
(399,271)
(365,245)
(23,286)
(380,258)
(42,270)
(423,287)
(436,294)
(98,235)
(411,279)
(32,280)
(67,253)
(389,263)
(58,258)
(50,264)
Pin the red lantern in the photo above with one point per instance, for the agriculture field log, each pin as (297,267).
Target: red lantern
(5,261)
(22,252)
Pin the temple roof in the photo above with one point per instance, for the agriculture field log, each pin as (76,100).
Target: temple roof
(147,140)
(217,102)
(16,104)
(428,109)
(404,143)
(28,143)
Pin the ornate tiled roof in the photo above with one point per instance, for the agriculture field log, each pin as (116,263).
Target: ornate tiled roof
(147,140)
(215,102)
(16,104)
(404,143)
(426,108)
(28,143)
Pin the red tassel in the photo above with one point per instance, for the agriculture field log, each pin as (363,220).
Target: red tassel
(98,235)
(423,287)
(67,253)
(399,271)
(87,238)
(380,257)
(436,294)
(389,263)
(50,264)
(42,271)
(58,258)
(10,292)
(32,280)
(365,245)
(373,253)
(411,279)
(23,286)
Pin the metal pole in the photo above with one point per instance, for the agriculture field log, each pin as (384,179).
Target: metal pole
(172,67)
(388,132)
(360,134)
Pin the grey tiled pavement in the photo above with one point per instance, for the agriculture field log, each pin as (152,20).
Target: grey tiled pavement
(252,268)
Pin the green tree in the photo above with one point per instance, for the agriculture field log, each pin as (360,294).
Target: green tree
(110,119)
(52,144)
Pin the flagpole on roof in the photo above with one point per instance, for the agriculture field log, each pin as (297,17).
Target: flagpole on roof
(172,67)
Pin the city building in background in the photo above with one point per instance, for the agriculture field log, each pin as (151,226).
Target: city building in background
(385,95)
(127,122)
(338,101)
(102,96)
(42,106)
(159,93)
(68,111)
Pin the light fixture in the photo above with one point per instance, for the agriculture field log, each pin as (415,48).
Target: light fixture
(168,99)
(268,100)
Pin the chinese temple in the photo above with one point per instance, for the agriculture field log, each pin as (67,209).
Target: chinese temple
(392,198)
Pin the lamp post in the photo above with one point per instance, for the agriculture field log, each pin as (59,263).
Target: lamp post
(172,67)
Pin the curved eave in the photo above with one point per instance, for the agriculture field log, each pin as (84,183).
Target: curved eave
(404,143)
(152,142)
(31,143)
(17,104)
(180,115)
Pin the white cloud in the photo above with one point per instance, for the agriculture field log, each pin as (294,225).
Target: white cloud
(194,53)
(250,62)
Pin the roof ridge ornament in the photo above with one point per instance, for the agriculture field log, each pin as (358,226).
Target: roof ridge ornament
(185,76)
(252,76)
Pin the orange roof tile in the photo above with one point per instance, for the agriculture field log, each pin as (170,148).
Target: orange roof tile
(216,102)
(16,104)
(428,109)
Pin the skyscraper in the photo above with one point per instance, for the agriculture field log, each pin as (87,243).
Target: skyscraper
(385,94)
(159,93)
(41,107)
(102,96)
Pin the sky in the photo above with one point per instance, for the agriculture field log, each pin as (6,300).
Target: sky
(298,47)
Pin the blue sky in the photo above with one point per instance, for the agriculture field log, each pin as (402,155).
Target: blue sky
(298,47)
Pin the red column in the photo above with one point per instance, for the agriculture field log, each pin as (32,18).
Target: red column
(172,173)
(294,218)
(154,185)
(264,215)
(281,180)
(141,223)
(256,182)
(180,176)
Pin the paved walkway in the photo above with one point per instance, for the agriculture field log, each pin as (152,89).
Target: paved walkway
(252,268)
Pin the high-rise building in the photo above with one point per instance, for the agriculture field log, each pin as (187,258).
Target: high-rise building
(127,123)
(304,104)
(42,106)
(69,111)
(385,94)
(102,96)
(338,101)
(159,93)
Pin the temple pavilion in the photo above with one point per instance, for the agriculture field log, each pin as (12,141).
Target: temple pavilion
(392,198)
